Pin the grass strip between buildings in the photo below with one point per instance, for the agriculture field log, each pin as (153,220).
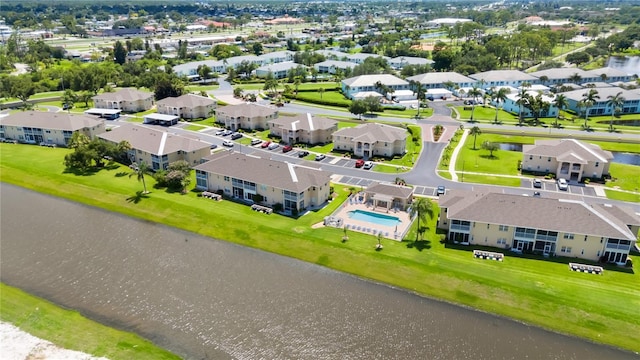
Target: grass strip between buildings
(70,330)
(541,292)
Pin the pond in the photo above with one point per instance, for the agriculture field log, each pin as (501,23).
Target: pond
(628,64)
(511,147)
(626,158)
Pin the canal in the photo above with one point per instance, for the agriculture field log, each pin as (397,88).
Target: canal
(207,299)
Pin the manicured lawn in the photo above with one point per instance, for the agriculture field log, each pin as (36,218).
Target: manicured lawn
(193,127)
(503,162)
(625,177)
(488,179)
(536,291)
(482,113)
(622,196)
(70,330)
(210,121)
(198,88)
(332,96)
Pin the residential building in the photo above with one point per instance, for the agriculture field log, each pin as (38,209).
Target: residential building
(126,99)
(437,80)
(352,86)
(601,106)
(277,57)
(389,196)
(402,61)
(303,128)
(158,147)
(552,227)
(495,78)
(35,127)
(436,23)
(278,70)
(332,66)
(511,104)
(359,58)
(187,106)
(248,116)
(332,54)
(372,139)
(560,76)
(567,158)
(263,181)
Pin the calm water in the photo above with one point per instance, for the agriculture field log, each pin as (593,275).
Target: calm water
(207,299)
(628,64)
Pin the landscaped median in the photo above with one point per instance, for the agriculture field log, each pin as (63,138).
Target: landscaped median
(540,292)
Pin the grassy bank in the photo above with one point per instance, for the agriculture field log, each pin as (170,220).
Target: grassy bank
(70,330)
(536,291)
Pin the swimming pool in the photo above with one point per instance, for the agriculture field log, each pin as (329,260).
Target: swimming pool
(374,218)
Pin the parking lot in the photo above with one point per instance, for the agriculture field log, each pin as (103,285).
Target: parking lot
(357,181)
(549,185)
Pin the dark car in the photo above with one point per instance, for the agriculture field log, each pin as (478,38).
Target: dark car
(67,106)
(303,153)
(287,148)
(440,190)
(236,136)
(213,146)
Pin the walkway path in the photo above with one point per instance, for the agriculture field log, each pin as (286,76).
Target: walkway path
(454,156)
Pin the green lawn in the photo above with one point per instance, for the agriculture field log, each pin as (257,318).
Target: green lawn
(332,96)
(70,330)
(192,127)
(625,177)
(536,291)
(485,114)
(503,162)
(622,196)
(488,179)
(210,121)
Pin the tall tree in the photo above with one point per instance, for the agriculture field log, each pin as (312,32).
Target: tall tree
(490,146)
(474,93)
(420,93)
(475,131)
(560,102)
(615,101)
(420,209)
(499,97)
(589,99)
(140,170)
(119,53)
(523,99)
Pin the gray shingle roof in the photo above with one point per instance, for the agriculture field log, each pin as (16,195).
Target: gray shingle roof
(560,73)
(268,172)
(373,132)
(568,149)
(125,94)
(397,191)
(440,77)
(503,75)
(304,122)
(153,141)
(533,212)
(187,100)
(247,110)
(371,80)
(49,120)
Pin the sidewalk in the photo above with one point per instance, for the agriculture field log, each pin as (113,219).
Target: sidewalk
(454,156)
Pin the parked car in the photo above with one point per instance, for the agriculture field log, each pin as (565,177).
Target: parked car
(265,144)
(287,148)
(255,141)
(213,146)
(273,146)
(359,163)
(227,143)
(537,183)
(536,193)
(236,136)
(227,133)
(220,132)
(562,184)
(320,157)
(67,106)
(440,190)
(303,153)
(367,165)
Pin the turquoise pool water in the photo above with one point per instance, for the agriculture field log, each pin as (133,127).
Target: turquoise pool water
(374,218)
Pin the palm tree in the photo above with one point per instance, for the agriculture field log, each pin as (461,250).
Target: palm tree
(560,102)
(537,105)
(523,99)
(419,92)
(140,170)
(420,208)
(296,82)
(475,131)
(589,99)
(544,79)
(474,93)
(499,96)
(615,101)
(321,91)
(575,78)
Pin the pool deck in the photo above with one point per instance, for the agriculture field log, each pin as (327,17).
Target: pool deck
(366,227)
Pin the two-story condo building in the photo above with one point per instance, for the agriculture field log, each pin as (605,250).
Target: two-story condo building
(367,83)
(567,158)
(496,78)
(248,116)
(158,148)
(127,99)
(263,181)
(35,127)
(437,80)
(602,106)
(552,227)
(369,140)
(303,128)
(187,106)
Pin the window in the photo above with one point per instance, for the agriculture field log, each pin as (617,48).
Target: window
(488,226)
(530,157)
(503,228)
(565,249)
(597,164)
(502,241)
(226,178)
(568,236)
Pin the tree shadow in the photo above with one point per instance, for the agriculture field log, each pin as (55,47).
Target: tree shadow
(489,157)
(81,172)
(419,245)
(137,197)
(121,174)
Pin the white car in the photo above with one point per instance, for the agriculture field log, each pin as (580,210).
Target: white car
(562,184)
(227,143)
(367,165)
(273,146)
